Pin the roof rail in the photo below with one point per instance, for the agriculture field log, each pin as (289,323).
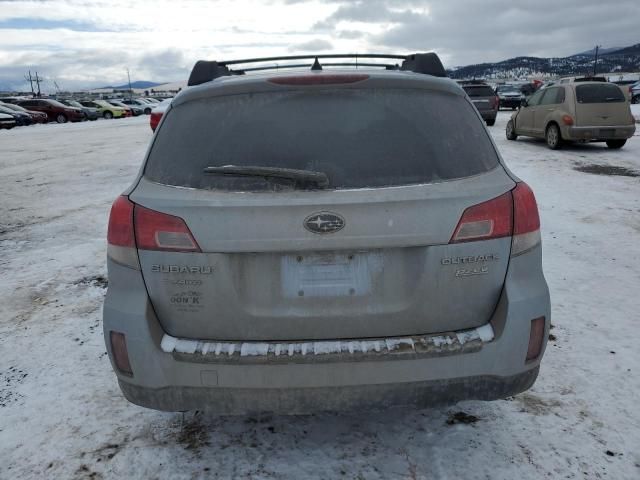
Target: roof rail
(427,63)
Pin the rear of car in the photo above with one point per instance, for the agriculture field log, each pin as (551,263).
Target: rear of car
(335,242)
(485,100)
(601,114)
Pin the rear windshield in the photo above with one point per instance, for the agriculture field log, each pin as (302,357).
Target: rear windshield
(357,137)
(602,93)
(480,91)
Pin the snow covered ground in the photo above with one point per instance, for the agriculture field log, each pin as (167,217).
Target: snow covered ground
(62,415)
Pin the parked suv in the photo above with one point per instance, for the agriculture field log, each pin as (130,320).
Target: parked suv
(341,239)
(484,99)
(578,111)
(56,111)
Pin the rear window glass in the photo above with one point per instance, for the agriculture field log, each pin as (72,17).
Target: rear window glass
(357,137)
(481,91)
(603,93)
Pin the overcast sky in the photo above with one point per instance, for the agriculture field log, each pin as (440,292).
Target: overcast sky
(91,43)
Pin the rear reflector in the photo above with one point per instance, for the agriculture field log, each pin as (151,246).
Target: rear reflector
(161,231)
(526,222)
(318,79)
(491,219)
(536,337)
(120,354)
(567,120)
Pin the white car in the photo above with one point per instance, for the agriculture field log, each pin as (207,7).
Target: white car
(7,121)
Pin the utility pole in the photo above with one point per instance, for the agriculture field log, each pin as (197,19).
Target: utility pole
(30,80)
(595,61)
(130,92)
(38,79)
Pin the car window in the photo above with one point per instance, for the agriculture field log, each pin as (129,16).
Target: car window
(553,96)
(599,93)
(357,137)
(479,91)
(535,98)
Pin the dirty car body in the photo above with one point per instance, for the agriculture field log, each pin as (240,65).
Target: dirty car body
(310,241)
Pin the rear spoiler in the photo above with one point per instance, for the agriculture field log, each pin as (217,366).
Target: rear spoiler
(427,63)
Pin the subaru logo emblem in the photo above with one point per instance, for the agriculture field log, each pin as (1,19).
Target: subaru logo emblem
(324,222)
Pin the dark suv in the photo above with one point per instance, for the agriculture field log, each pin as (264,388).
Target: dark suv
(56,111)
(484,99)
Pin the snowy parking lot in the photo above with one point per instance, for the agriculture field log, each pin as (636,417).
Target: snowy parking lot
(62,415)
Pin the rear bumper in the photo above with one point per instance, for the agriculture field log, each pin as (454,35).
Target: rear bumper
(345,398)
(510,102)
(599,132)
(481,369)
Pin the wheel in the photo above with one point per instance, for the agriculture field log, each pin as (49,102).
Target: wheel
(616,144)
(491,122)
(553,137)
(147,111)
(108,115)
(513,108)
(635,99)
(510,131)
(61,118)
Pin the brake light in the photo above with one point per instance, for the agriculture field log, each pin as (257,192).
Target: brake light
(161,231)
(567,119)
(496,102)
(155,120)
(318,79)
(526,221)
(120,353)
(121,246)
(490,219)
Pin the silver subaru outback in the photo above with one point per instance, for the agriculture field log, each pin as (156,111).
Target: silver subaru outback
(316,239)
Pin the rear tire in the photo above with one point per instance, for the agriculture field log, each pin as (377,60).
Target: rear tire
(147,111)
(636,99)
(511,131)
(107,115)
(553,137)
(491,123)
(616,144)
(61,118)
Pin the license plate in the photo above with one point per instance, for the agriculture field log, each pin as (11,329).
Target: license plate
(328,274)
(607,132)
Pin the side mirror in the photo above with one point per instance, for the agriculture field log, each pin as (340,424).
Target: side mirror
(524,102)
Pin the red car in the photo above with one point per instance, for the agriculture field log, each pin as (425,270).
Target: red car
(55,111)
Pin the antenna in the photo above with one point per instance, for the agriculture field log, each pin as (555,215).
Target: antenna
(316,65)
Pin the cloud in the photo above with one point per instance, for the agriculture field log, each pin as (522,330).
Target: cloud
(315,45)
(92,42)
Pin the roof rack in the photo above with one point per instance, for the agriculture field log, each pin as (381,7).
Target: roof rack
(426,63)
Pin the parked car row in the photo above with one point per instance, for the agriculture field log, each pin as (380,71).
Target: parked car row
(27,111)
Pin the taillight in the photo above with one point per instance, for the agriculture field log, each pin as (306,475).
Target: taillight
(155,120)
(161,231)
(490,219)
(496,102)
(318,79)
(567,119)
(120,353)
(526,221)
(120,237)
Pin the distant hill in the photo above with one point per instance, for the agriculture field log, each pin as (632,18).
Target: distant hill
(601,51)
(625,59)
(136,84)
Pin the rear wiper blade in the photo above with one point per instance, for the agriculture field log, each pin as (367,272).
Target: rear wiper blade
(318,178)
